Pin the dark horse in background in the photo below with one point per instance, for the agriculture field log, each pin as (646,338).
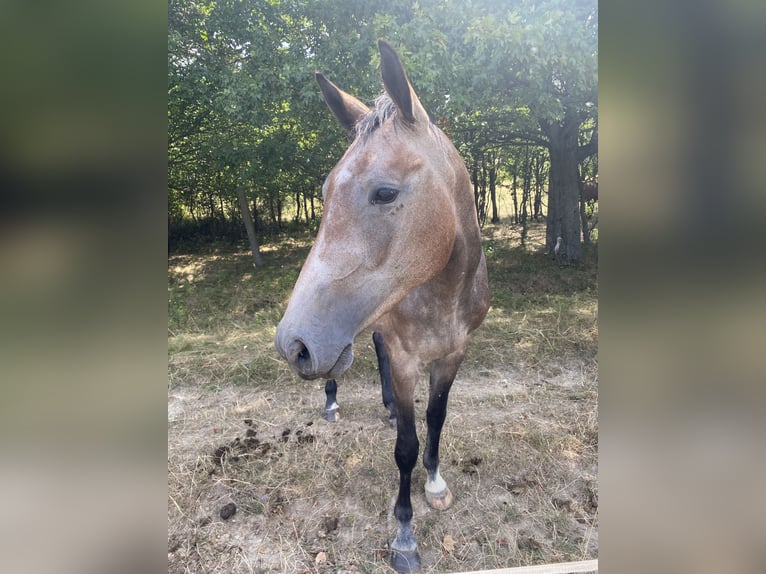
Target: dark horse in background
(589,190)
(398,251)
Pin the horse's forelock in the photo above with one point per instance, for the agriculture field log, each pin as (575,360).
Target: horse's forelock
(383,108)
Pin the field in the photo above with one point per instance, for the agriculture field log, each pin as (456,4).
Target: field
(258,481)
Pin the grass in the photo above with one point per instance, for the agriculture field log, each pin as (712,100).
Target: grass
(519,446)
(223,312)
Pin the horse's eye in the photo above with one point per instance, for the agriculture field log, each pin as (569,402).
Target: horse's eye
(384,195)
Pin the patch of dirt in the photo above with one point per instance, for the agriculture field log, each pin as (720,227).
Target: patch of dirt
(258,481)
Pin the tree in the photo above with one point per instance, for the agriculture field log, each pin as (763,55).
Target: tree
(542,55)
(498,77)
(517,73)
(254,247)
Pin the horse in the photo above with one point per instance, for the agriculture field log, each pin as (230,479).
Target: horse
(332,408)
(398,250)
(589,190)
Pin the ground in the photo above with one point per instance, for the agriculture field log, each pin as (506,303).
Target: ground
(259,481)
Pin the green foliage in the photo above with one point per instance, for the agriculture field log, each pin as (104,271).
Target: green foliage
(243,107)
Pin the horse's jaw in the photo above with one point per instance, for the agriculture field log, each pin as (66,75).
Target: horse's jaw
(342,364)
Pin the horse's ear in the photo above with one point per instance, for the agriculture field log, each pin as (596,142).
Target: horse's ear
(398,86)
(344,106)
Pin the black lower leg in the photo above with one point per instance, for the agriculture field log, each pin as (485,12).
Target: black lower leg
(443,372)
(406,455)
(435,416)
(384,368)
(404,550)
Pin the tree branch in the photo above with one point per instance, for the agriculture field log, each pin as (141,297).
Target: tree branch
(590,148)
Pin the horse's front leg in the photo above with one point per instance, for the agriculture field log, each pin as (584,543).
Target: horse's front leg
(442,375)
(404,548)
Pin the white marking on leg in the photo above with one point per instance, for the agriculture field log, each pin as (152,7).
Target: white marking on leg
(437,485)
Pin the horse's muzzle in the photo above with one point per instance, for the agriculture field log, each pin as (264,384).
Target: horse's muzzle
(311,364)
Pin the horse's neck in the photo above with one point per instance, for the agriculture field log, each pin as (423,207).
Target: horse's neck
(457,276)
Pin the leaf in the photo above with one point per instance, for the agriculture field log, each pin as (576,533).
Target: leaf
(321,558)
(448,543)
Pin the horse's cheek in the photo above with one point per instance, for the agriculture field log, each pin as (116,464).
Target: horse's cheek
(377,240)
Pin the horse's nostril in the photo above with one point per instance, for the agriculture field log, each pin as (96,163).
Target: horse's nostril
(298,354)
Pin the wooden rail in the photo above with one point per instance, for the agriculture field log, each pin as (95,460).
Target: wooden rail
(561,568)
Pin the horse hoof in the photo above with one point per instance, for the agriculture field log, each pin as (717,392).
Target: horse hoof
(405,561)
(332,415)
(440,500)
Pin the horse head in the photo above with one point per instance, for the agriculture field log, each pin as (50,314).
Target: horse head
(388,225)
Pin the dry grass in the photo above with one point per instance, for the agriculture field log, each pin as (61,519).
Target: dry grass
(519,446)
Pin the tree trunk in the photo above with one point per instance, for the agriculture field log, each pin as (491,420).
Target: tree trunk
(257,259)
(525,183)
(475,178)
(530,198)
(538,209)
(525,187)
(583,214)
(493,190)
(584,223)
(515,200)
(483,191)
(564,193)
(272,212)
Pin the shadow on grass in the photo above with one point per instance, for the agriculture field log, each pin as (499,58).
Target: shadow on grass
(223,284)
(219,303)
(519,277)
(222,279)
